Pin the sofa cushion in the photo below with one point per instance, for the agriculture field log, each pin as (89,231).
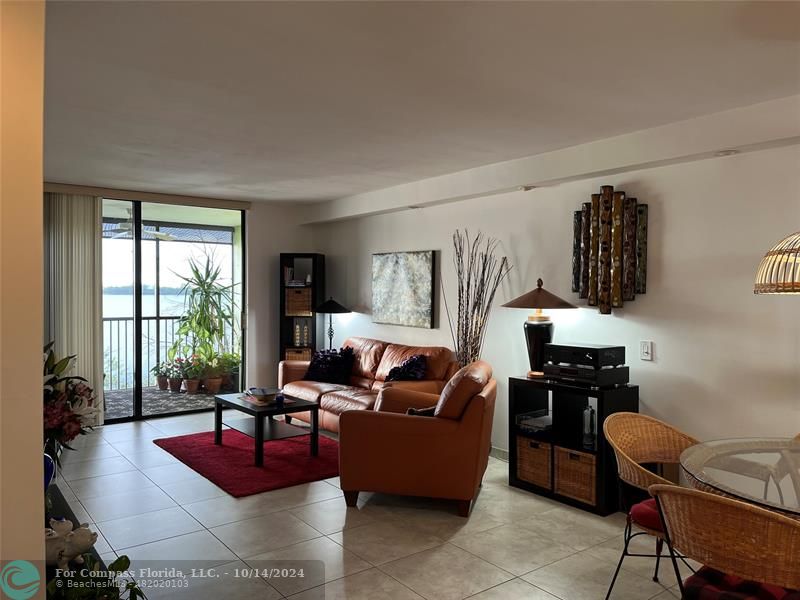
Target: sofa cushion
(464,385)
(360,382)
(348,399)
(331,366)
(311,390)
(412,369)
(368,355)
(437,360)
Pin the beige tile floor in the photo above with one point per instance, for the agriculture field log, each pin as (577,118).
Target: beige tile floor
(515,545)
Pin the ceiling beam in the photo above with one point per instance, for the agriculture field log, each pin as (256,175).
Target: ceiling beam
(115,194)
(757,127)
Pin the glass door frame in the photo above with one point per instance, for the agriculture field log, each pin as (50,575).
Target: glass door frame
(138,375)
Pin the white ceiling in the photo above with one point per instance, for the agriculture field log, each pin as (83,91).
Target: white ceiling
(314,101)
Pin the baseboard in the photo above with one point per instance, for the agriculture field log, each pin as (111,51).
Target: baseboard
(499,453)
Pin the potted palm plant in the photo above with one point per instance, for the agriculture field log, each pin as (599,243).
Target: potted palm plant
(205,329)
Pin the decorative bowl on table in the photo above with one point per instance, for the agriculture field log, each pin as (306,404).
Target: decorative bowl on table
(261,395)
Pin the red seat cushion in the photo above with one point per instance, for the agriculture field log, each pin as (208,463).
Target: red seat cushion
(645,513)
(710,584)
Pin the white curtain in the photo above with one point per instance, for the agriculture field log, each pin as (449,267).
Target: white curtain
(73,283)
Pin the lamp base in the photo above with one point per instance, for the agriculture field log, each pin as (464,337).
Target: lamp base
(537,334)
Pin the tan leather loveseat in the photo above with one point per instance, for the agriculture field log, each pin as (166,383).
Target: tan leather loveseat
(438,456)
(373,361)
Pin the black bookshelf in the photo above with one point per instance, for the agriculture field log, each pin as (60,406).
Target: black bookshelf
(298,301)
(565,437)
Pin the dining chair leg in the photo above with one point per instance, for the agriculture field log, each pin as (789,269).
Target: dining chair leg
(627,534)
(677,570)
(659,548)
(672,556)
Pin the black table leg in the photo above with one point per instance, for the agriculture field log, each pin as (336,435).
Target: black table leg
(217,423)
(314,432)
(259,441)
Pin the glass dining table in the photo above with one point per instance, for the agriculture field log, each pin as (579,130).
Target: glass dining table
(761,471)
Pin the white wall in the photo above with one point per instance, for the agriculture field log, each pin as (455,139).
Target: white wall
(727,362)
(271,229)
(21,280)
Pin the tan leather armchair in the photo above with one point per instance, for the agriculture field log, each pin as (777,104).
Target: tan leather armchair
(439,456)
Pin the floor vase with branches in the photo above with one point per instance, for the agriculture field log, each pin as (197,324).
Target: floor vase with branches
(479,272)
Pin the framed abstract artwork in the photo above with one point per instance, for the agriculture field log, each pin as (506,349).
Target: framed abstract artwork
(403,288)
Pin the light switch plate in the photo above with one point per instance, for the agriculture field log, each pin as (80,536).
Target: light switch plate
(646,350)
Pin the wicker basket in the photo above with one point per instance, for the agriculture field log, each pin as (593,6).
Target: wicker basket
(576,475)
(298,302)
(298,353)
(534,462)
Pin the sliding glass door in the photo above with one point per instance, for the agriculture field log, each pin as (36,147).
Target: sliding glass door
(178,306)
(119,309)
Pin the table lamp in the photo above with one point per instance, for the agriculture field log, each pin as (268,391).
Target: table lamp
(331,307)
(538,327)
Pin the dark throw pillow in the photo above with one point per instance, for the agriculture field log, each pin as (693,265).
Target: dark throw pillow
(412,369)
(421,412)
(331,366)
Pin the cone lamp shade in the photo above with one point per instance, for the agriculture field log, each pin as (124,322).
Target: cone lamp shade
(779,271)
(538,327)
(331,307)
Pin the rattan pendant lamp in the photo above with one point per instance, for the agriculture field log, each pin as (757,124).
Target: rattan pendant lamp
(779,271)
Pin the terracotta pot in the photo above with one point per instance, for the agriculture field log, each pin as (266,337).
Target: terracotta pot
(192,385)
(163,382)
(175,384)
(230,381)
(212,385)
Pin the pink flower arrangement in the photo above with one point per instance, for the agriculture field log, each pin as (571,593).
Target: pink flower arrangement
(189,368)
(70,405)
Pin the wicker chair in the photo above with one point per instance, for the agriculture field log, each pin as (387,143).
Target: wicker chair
(738,542)
(637,440)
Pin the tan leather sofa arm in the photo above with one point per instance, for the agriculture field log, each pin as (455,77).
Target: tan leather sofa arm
(291,370)
(399,400)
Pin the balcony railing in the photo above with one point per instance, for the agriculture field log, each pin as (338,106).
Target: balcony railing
(158,335)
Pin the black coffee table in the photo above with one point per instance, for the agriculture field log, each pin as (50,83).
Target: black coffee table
(254,426)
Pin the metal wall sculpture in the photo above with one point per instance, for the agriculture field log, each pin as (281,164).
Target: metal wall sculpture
(609,249)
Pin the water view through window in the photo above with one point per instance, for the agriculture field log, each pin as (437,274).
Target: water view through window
(187,253)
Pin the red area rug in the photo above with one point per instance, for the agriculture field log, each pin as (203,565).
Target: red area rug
(287,462)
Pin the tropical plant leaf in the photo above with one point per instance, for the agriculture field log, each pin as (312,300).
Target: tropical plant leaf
(121,564)
(63,364)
